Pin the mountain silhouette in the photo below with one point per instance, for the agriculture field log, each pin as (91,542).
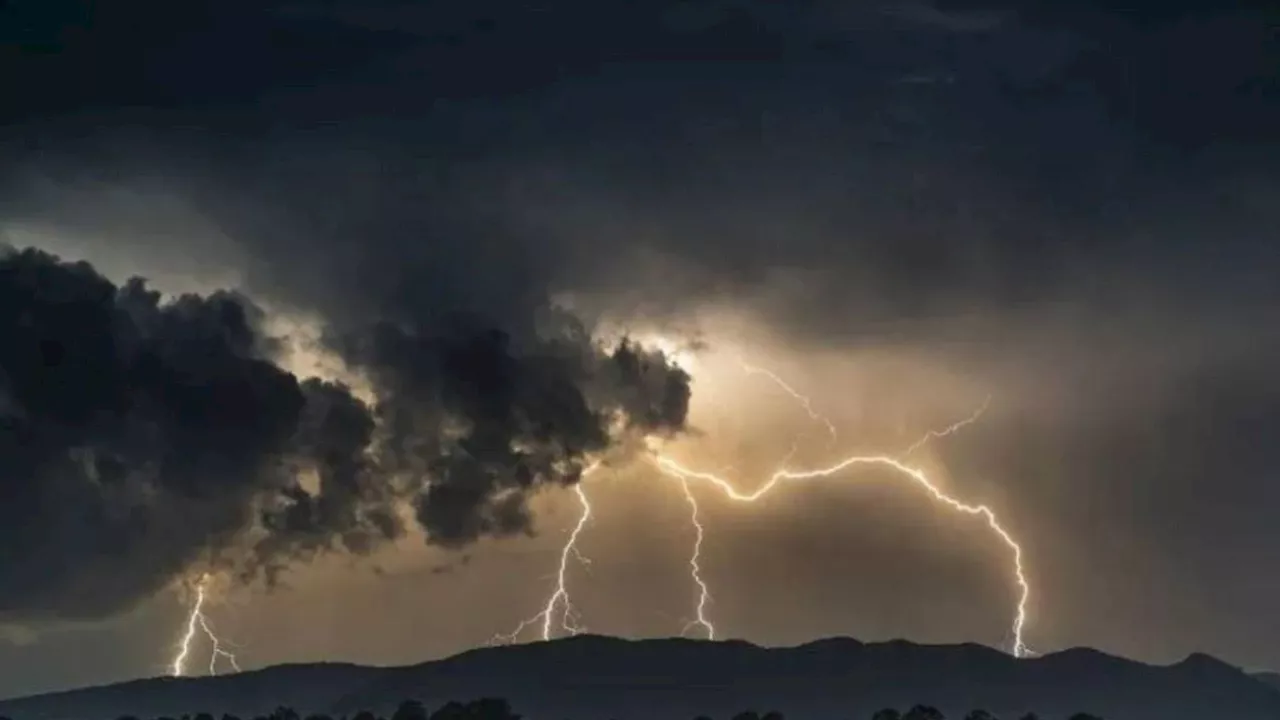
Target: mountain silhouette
(601,678)
(1270,678)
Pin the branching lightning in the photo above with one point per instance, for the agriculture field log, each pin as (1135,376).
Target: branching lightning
(559,598)
(671,467)
(1019,649)
(695,556)
(196,620)
(559,605)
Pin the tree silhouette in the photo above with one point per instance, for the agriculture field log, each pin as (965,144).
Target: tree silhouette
(495,708)
(924,712)
(451,710)
(481,709)
(410,710)
(490,709)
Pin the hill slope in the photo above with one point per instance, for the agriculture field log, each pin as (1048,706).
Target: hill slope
(1270,678)
(597,678)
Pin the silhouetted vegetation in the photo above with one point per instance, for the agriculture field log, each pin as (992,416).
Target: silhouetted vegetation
(500,709)
(414,710)
(926,712)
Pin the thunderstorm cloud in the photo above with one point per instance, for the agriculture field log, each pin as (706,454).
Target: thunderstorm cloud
(145,436)
(1064,206)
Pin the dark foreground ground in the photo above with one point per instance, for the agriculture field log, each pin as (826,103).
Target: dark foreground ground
(591,677)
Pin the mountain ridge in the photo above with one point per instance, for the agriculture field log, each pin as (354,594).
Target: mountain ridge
(591,676)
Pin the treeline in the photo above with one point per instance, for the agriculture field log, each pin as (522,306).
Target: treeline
(919,712)
(500,709)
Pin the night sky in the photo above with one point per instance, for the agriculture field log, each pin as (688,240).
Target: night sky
(391,251)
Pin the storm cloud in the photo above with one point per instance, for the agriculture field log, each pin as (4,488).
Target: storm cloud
(144,437)
(136,434)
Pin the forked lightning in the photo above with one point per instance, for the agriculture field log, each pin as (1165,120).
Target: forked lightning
(559,609)
(559,598)
(196,620)
(1019,648)
(669,466)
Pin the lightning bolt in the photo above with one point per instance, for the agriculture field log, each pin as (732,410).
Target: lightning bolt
(804,401)
(953,428)
(559,599)
(1019,649)
(197,621)
(559,603)
(695,569)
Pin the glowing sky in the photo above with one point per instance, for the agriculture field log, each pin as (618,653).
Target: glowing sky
(901,213)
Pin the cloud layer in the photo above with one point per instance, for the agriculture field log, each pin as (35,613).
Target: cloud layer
(144,438)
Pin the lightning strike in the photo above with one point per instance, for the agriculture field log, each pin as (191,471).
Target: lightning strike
(217,651)
(559,603)
(559,598)
(197,621)
(1019,649)
(804,400)
(695,569)
(953,428)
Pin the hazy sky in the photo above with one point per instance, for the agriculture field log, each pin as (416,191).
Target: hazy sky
(904,209)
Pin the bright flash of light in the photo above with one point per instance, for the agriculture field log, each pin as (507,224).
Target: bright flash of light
(1019,649)
(559,605)
(558,602)
(196,620)
(953,428)
(804,401)
(695,569)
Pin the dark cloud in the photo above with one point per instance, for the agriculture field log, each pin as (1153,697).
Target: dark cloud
(524,411)
(143,438)
(353,503)
(387,233)
(137,434)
